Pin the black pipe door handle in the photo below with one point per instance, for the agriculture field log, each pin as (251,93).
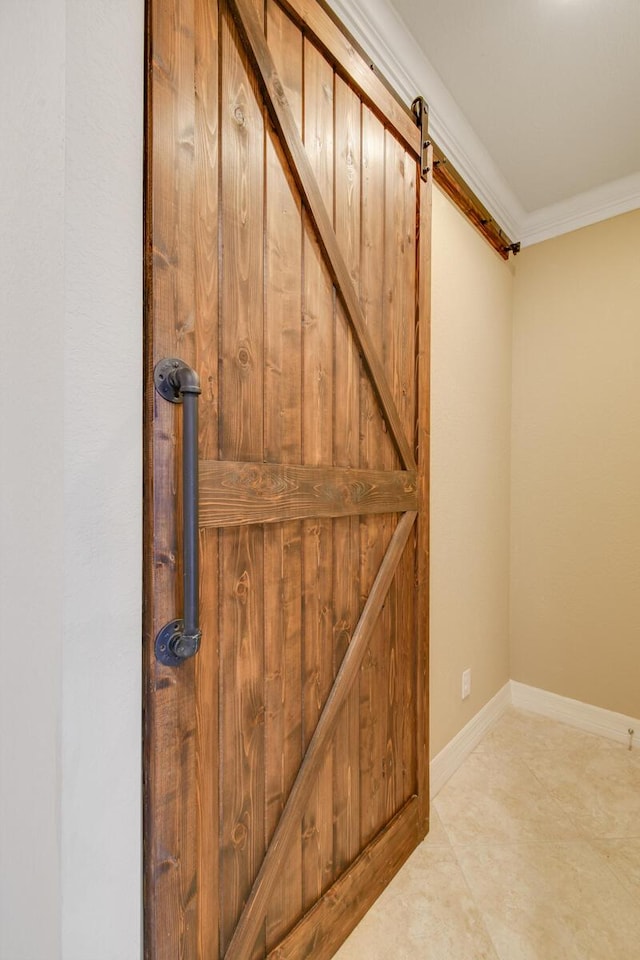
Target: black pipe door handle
(178,640)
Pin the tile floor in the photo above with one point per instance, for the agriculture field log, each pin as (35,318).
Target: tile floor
(533,854)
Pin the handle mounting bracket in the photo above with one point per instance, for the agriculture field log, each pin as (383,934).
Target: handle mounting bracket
(178,640)
(173,378)
(173,645)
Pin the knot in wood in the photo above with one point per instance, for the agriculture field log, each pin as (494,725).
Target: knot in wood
(242,587)
(239,835)
(278,91)
(244,357)
(239,117)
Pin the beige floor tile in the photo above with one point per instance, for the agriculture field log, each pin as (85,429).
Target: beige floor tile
(437,835)
(599,789)
(426,913)
(533,854)
(552,901)
(520,733)
(495,799)
(623,857)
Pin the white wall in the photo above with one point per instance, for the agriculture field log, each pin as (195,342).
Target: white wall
(32,50)
(103,492)
(71,298)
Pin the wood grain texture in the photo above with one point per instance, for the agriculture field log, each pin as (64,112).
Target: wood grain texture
(346,450)
(354,67)
(283,717)
(393,635)
(318,388)
(375,452)
(206,678)
(410,408)
(282,764)
(357,68)
(401,173)
(283,444)
(242,725)
(338,912)
(239,492)
(171,858)
(249,923)
(241,371)
(303,171)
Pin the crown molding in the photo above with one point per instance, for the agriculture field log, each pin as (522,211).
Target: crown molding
(393,49)
(387,40)
(601,203)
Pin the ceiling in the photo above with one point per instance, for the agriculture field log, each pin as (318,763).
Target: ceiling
(538,101)
(552,87)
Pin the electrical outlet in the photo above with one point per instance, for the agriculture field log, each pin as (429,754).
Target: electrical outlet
(466,683)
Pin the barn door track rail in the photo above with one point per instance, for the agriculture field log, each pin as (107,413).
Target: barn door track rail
(178,640)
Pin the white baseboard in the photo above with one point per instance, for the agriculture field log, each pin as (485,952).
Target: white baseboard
(584,716)
(445,764)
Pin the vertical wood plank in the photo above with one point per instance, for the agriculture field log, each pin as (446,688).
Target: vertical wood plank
(242,722)
(205,234)
(283,267)
(172,880)
(374,451)
(318,348)
(346,417)
(399,369)
(405,732)
(242,788)
(283,444)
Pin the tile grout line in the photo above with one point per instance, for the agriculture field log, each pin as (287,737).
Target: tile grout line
(623,883)
(479,909)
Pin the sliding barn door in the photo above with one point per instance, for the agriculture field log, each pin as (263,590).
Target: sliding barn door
(287,241)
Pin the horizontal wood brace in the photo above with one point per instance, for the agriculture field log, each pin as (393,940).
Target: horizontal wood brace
(239,493)
(255,906)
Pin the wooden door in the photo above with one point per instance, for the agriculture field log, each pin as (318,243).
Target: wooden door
(287,261)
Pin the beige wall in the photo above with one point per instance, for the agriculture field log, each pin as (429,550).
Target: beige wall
(575,587)
(470,415)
